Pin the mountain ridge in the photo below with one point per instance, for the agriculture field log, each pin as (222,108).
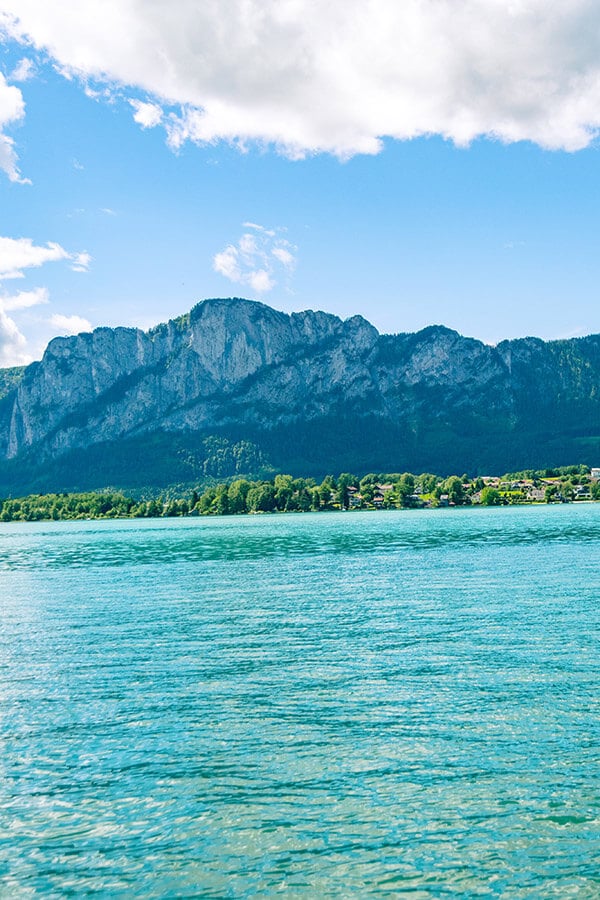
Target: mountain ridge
(305,388)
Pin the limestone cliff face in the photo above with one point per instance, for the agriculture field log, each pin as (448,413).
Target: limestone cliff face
(239,365)
(187,374)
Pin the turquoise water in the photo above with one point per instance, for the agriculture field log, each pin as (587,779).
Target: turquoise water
(387,704)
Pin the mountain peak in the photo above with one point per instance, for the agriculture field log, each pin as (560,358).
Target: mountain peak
(309,390)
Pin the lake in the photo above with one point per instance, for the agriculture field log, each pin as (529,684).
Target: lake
(341,705)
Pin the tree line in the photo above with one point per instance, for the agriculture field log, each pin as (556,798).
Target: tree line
(284,493)
(90,505)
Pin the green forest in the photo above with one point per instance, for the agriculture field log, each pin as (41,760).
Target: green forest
(284,493)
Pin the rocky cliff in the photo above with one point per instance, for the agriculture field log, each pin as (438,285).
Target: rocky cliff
(306,391)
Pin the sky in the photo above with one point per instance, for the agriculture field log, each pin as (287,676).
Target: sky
(425,162)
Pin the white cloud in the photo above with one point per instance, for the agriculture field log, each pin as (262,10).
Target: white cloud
(23,71)
(248,245)
(18,254)
(260,281)
(24,299)
(148,115)
(284,256)
(24,333)
(226,263)
(14,348)
(80,262)
(256,227)
(335,76)
(256,259)
(67,325)
(12,110)
(13,344)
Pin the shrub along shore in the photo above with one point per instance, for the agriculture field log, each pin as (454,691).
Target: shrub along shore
(284,493)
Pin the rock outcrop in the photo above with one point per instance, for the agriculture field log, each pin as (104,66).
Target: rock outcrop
(308,389)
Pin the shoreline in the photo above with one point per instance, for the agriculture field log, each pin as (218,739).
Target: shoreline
(300,513)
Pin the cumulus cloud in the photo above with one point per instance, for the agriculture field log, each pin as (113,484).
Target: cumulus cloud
(12,110)
(257,259)
(310,76)
(18,254)
(13,344)
(148,115)
(67,325)
(14,350)
(18,348)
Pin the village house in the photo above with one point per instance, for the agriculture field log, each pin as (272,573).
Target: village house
(536,494)
(354,498)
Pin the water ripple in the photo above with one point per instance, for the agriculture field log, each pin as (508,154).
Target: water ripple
(316,706)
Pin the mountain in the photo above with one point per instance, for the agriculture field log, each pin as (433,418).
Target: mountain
(235,387)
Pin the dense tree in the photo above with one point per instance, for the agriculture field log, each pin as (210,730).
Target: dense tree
(567,490)
(427,483)
(221,501)
(325,492)
(206,500)
(405,489)
(345,481)
(304,499)
(237,495)
(261,497)
(286,494)
(453,486)
(490,497)
(283,491)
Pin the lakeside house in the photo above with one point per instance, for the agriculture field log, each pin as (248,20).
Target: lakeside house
(583,492)
(355,498)
(538,495)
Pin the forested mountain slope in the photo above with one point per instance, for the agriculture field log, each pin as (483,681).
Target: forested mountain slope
(235,387)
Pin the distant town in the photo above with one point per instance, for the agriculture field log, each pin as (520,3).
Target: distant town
(345,492)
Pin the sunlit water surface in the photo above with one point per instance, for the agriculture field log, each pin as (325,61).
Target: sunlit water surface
(312,705)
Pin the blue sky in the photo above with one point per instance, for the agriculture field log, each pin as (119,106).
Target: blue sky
(489,227)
